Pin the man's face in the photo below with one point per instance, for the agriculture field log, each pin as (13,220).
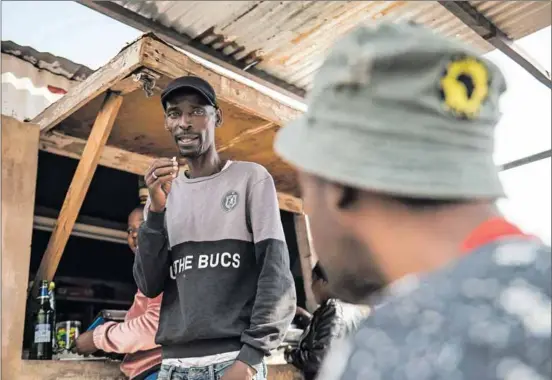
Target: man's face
(135,219)
(191,122)
(352,274)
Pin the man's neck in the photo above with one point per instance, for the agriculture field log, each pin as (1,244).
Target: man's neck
(205,165)
(436,239)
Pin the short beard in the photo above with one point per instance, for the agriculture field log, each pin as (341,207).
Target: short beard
(355,284)
(189,155)
(355,290)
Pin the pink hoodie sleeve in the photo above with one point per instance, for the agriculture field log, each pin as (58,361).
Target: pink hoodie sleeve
(137,334)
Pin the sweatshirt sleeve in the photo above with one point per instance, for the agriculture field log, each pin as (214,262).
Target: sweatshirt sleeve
(151,264)
(128,337)
(275,301)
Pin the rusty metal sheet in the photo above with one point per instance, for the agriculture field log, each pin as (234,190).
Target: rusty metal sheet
(46,61)
(289,39)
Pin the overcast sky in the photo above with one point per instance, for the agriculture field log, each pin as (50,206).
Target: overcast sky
(75,32)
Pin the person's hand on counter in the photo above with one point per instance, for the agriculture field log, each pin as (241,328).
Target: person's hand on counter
(85,343)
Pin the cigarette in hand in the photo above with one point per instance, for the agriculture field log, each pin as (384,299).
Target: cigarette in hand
(175,167)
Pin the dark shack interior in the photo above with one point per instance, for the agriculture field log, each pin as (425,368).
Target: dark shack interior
(95,274)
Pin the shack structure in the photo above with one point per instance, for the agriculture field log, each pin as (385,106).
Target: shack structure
(114,118)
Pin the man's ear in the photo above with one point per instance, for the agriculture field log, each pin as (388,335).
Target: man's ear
(218,115)
(341,201)
(341,197)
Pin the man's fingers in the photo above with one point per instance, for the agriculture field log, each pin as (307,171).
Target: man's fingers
(154,183)
(158,167)
(171,171)
(161,163)
(160,172)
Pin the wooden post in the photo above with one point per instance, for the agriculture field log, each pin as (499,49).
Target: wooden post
(307,256)
(78,188)
(19,168)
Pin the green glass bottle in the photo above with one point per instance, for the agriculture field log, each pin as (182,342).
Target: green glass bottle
(43,326)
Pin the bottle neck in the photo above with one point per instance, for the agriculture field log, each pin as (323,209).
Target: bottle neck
(43,297)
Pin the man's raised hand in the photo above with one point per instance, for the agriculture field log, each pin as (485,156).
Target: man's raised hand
(159,179)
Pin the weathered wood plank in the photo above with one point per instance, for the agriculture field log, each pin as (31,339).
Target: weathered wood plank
(116,158)
(136,81)
(163,58)
(126,85)
(19,169)
(245,135)
(78,188)
(307,257)
(283,372)
(290,203)
(122,65)
(69,370)
(102,370)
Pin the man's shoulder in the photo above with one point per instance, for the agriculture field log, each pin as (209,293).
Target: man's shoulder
(483,277)
(254,171)
(489,306)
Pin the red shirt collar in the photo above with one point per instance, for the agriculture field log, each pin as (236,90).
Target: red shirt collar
(489,231)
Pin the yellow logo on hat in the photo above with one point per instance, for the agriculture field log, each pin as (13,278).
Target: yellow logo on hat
(465,86)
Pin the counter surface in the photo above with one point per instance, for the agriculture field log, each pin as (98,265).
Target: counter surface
(104,370)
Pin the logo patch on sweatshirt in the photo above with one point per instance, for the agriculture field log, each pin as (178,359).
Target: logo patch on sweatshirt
(230,200)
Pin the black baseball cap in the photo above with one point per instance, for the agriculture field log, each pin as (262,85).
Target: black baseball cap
(190,82)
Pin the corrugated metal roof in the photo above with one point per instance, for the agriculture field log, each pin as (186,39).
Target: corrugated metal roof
(289,39)
(517,18)
(46,61)
(26,90)
(33,80)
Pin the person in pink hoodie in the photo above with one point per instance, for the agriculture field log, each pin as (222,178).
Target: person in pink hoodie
(134,337)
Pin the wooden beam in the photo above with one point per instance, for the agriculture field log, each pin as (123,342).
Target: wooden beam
(126,86)
(121,66)
(245,135)
(90,231)
(162,58)
(307,257)
(290,203)
(116,158)
(78,188)
(137,81)
(195,47)
(19,169)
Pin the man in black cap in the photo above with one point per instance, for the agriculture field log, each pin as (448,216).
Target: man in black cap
(213,243)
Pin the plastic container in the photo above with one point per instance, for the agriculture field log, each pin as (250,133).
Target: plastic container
(67,333)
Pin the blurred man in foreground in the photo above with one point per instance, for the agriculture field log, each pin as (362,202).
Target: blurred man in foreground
(396,169)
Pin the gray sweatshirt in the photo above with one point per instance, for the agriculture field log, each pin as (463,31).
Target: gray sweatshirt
(219,256)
